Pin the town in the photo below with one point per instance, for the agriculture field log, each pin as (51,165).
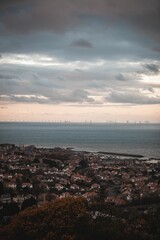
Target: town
(45,174)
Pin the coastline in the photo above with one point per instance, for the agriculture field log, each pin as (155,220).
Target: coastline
(113,154)
(122,154)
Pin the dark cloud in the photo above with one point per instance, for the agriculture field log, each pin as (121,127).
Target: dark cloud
(76,51)
(81,43)
(131,97)
(25,99)
(5,76)
(120,77)
(10,3)
(80,96)
(144,15)
(75,96)
(154,85)
(153,68)
(149,88)
(156,49)
(38,16)
(60,15)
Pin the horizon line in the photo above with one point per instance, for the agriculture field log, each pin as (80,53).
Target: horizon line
(81,122)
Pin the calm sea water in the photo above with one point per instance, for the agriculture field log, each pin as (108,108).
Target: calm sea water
(141,139)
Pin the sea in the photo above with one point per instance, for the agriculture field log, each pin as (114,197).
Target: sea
(137,138)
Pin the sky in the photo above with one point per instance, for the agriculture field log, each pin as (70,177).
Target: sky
(80,60)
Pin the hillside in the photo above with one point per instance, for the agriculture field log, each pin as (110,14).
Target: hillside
(76,219)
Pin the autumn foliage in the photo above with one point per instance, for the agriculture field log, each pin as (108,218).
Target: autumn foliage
(57,220)
(77,219)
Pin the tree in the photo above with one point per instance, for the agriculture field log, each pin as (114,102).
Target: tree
(18,182)
(1,187)
(73,219)
(57,220)
(83,163)
(28,203)
(10,209)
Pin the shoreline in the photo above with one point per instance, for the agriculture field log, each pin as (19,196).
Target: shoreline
(122,154)
(109,153)
(83,150)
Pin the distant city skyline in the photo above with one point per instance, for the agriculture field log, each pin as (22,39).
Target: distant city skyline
(81,60)
(77,122)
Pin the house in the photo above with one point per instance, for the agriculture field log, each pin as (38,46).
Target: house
(11,185)
(5,198)
(95,186)
(90,195)
(18,199)
(59,187)
(65,194)
(27,185)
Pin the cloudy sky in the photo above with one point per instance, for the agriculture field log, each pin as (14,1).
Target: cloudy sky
(80,60)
